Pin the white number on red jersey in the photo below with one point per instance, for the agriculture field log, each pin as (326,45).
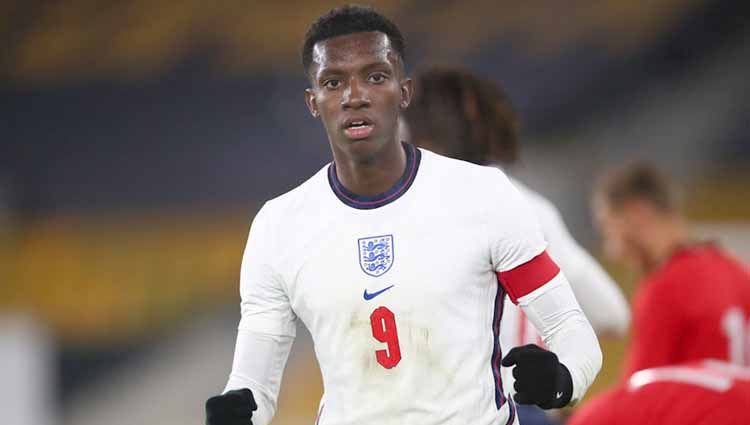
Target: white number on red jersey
(737,331)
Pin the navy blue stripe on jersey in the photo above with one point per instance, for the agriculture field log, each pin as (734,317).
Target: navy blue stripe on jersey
(497,351)
(320,412)
(413,158)
(511,411)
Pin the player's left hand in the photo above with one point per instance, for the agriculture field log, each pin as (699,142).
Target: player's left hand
(235,407)
(540,377)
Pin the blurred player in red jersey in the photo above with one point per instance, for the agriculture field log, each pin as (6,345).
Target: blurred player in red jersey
(706,392)
(694,299)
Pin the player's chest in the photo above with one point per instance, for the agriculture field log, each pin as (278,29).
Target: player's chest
(411,266)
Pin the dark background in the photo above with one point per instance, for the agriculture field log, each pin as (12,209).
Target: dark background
(138,138)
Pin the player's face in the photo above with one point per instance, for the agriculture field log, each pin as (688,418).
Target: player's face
(616,230)
(358,92)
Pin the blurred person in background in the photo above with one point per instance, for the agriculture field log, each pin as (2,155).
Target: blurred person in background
(412,340)
(459,115)
(705,392)
(693,300)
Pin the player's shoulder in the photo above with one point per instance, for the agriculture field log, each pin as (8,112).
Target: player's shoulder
(713,254)
(681,280)
(456,172)
(481,191)
(693,263)
(299,199)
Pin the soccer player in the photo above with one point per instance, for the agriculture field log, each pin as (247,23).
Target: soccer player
(707,392)
(693,301)
(459,115)
(397,261)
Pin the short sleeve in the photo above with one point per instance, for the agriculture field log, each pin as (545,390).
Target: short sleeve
(516,241)
(514,232)
(265,303)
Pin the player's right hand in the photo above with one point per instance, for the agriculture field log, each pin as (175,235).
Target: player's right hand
(234,407)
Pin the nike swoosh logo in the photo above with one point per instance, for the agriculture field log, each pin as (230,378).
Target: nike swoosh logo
(558,395)
(368,297)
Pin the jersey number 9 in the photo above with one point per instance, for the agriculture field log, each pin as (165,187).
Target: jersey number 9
(384,330)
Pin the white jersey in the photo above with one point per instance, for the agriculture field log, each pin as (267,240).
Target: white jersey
(599,296)
(401,295)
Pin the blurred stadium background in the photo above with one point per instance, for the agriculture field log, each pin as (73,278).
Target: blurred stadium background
(139,137)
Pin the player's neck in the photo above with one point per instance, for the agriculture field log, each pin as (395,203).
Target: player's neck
(373,175)
(665,240)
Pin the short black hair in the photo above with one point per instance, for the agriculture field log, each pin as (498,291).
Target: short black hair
(350,19)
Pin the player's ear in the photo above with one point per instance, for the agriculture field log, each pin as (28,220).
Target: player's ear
(312,105)
(407,89)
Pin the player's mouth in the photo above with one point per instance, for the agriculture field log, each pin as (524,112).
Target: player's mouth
(358,128)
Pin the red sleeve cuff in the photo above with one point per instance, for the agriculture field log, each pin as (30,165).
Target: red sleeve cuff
(529,276)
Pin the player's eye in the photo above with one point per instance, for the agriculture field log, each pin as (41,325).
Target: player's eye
(377,77)
(331,84)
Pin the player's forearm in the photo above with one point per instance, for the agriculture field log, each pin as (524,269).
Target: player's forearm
(258,365)
(565,330)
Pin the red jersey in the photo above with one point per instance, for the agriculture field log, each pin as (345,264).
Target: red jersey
(709,392)
(695,306)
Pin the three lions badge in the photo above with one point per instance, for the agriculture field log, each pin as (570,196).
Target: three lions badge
(376,254)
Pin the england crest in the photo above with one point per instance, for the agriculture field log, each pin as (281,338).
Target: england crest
(376,254)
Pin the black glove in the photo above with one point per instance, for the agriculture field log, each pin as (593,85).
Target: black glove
(235,407)
(540,378)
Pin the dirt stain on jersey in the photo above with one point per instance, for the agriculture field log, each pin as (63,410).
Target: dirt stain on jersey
(414,342)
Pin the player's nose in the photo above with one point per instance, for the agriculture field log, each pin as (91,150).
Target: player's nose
(355,95)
